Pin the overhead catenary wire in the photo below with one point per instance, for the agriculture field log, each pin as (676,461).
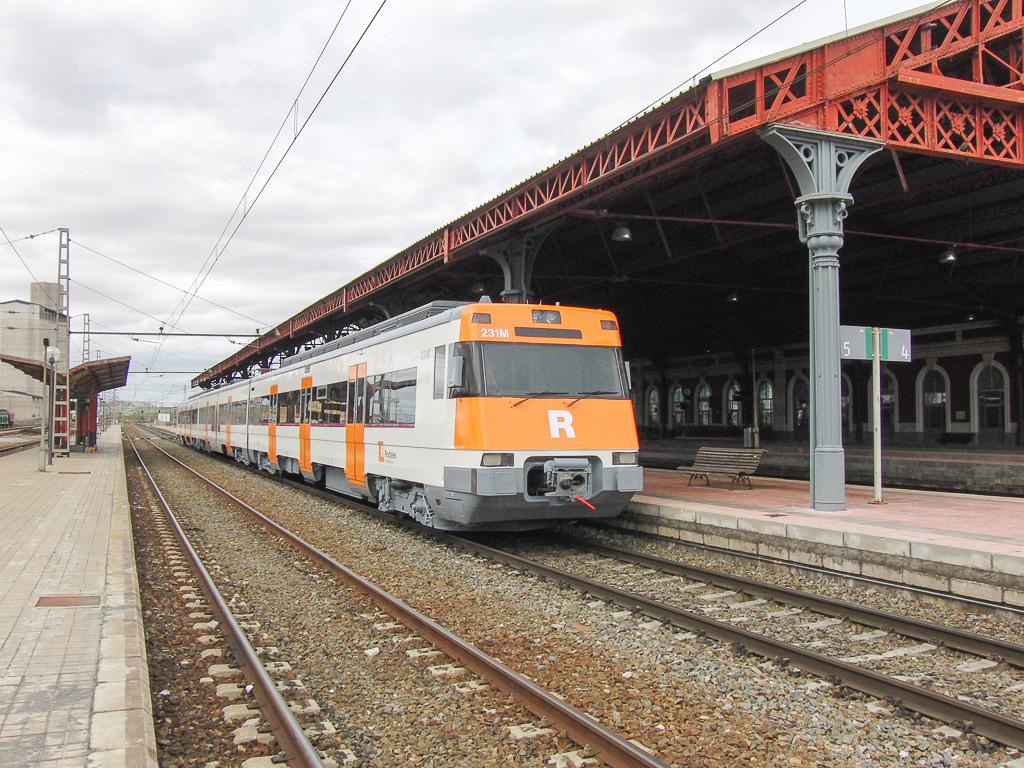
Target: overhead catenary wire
(219,249)
(692,78)
(293,108)
(169,285)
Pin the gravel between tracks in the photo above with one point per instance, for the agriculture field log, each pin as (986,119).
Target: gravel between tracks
(186,714)
(993,623)
(696,703)
(387,708)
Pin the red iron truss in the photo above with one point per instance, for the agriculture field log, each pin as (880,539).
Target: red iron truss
(947,82)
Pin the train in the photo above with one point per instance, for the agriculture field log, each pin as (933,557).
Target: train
(458,415)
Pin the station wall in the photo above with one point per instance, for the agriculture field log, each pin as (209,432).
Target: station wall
(959,389)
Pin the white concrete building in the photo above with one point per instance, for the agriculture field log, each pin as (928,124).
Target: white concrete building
(23,326)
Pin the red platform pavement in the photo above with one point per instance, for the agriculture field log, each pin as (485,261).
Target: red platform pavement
(962,543)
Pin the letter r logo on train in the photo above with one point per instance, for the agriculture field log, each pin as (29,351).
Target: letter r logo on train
(560,421)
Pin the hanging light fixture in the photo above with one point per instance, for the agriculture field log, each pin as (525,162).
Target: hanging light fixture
(621,233)
(733,297)
(948,256)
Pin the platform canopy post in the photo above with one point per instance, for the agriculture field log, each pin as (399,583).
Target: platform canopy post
(824,165)
(516,257)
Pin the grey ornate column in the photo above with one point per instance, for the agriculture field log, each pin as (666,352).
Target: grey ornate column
(516,257)
(823,164)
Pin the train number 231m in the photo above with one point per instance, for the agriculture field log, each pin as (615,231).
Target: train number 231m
(494,333)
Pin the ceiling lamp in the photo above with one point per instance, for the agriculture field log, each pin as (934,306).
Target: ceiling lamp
(733,297)
(971,317)
(621,233)
(948,256)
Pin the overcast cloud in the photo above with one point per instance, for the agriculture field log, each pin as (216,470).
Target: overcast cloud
(138,126)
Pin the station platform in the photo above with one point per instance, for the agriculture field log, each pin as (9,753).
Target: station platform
(958,543)
(74,683)
(958,468)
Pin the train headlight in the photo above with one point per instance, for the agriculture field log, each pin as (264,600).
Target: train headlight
(496,460)
(552,316)
(624,457)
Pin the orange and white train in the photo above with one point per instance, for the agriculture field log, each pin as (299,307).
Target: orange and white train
(460,416)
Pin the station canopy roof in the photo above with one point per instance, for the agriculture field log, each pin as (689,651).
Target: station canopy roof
(92,376)
(713,259)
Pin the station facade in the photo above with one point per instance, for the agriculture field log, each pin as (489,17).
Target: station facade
(956,391)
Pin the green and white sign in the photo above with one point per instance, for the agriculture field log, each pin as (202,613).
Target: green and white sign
(855,343)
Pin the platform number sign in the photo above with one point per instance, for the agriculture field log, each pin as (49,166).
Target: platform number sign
(855,343)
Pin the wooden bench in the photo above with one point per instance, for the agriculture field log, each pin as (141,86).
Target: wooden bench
(741,463)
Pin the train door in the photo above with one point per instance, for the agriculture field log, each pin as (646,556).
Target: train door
(355,428)
(305,448)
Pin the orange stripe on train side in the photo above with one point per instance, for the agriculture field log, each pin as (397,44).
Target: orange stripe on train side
(493,424)
(305,460)
(355,453)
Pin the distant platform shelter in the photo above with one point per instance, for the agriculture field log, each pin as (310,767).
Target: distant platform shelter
(88,379)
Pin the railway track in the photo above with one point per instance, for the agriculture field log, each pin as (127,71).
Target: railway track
(733,602)
(581,728)
(715,618)
(24,445)
(297,750)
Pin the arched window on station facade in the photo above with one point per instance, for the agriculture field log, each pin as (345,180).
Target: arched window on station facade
(733,404)
(765,403)
(680,406)
(934,402)
(990,404)
(704,404)
(653,407)
(799,404)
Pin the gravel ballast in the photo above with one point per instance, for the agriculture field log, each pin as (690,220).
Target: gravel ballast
(693,702)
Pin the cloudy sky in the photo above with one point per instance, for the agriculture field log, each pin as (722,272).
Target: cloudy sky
(139,126)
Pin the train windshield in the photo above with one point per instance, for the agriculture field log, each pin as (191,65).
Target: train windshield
(540,370)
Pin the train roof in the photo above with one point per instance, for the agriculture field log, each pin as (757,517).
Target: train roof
(436,311)
(426,316)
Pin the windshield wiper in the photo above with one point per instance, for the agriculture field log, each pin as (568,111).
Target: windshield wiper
(592,393)
(529,395)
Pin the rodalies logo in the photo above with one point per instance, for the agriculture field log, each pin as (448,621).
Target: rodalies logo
(386,455)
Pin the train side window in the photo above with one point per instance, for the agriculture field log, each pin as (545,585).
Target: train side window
(333,411)
(287,407)
(439,380)
(392,398)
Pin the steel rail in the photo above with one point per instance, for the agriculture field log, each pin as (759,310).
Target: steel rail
(289,734)
(831,572)
(608,745)
(960,640)
(15,447)
(997,727)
